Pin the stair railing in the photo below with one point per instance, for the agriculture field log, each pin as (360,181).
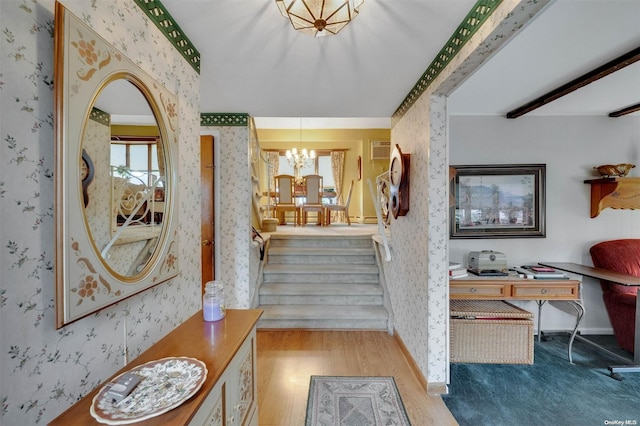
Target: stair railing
(379,194)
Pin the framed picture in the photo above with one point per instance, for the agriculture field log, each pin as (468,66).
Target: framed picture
(498,201)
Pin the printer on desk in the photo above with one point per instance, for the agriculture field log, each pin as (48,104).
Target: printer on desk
(488,262)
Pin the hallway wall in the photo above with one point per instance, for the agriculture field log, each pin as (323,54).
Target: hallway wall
(238,266)
(417,275)
(43,370)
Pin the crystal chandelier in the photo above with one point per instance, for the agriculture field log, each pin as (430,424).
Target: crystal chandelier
(300,159)
(319,17)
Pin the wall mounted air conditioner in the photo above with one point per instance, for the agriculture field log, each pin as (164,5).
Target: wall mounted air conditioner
(380,150)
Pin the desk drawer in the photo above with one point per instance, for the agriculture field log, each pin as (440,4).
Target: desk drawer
(541,292)
(470,291)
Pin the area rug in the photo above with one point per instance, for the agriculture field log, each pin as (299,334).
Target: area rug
(354,401)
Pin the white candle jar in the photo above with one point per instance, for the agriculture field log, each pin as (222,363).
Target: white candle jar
(213,307)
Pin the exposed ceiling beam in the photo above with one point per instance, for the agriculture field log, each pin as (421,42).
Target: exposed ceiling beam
(625,111)
(596,74)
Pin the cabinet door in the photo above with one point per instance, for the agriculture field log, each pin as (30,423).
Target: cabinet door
(233,400)
(244,392)
(212,412)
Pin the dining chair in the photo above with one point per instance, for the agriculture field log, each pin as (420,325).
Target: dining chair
(313,200)
(329,208)
(286,201)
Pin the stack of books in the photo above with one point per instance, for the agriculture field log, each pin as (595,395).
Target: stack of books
(456,270)
(539,272)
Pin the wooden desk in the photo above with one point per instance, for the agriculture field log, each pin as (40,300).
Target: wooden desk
(614,277)
(214,343)
(513,288)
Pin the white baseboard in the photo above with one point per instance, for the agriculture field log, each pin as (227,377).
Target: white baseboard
(437,389)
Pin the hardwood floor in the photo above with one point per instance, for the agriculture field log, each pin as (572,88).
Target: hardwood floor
(288,358)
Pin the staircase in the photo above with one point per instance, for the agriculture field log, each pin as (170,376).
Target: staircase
(322,282)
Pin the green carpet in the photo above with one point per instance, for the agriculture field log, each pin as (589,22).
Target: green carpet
(549,392)
(354,401)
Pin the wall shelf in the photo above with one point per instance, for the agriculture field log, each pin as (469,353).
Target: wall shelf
(616,193)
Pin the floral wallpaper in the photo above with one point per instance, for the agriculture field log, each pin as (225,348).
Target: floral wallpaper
(421,293)
(235,229)
(45,370)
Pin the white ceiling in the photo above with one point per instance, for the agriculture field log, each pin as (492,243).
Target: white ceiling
(566,40)
(252,61)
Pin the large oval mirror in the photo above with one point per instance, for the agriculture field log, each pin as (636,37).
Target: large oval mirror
(116,173)
(123,177)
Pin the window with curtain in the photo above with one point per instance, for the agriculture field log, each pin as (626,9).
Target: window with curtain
(321,166)
(140,157)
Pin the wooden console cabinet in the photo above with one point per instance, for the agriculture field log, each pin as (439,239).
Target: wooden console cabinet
(229,395)
(233,399)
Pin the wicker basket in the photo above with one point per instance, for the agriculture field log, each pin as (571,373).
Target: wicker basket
(490,332)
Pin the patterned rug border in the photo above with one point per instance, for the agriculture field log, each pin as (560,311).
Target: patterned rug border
(316,381)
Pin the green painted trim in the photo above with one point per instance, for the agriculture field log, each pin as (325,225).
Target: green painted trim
(224,119)
(471,23)
(170,28)
(100,116)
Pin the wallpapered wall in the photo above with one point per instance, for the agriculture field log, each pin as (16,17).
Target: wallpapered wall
(44,370)
(420,291)
(234,227)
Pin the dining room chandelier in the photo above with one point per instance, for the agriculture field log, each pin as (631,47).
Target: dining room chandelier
(300,159)
(319,17)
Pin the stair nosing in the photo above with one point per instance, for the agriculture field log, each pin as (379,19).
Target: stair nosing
(335,312)
(297,268)
(295,289)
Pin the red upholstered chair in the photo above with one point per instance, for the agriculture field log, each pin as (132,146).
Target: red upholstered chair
(622,256)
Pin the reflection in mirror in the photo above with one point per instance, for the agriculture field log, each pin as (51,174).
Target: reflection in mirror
(124,209)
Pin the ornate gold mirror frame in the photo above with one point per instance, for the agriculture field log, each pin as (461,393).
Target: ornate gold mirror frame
(85,281)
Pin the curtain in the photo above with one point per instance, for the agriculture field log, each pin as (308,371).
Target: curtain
(273,163)
(337,168)
(159,194)
(273,158)
(161,165)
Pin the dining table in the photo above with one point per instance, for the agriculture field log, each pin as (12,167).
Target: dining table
(330,196)
(302,194)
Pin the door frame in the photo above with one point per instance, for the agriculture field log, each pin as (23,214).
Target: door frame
(216,199)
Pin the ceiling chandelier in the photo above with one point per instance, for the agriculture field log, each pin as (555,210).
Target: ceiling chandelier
(319,17)
(300,159)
